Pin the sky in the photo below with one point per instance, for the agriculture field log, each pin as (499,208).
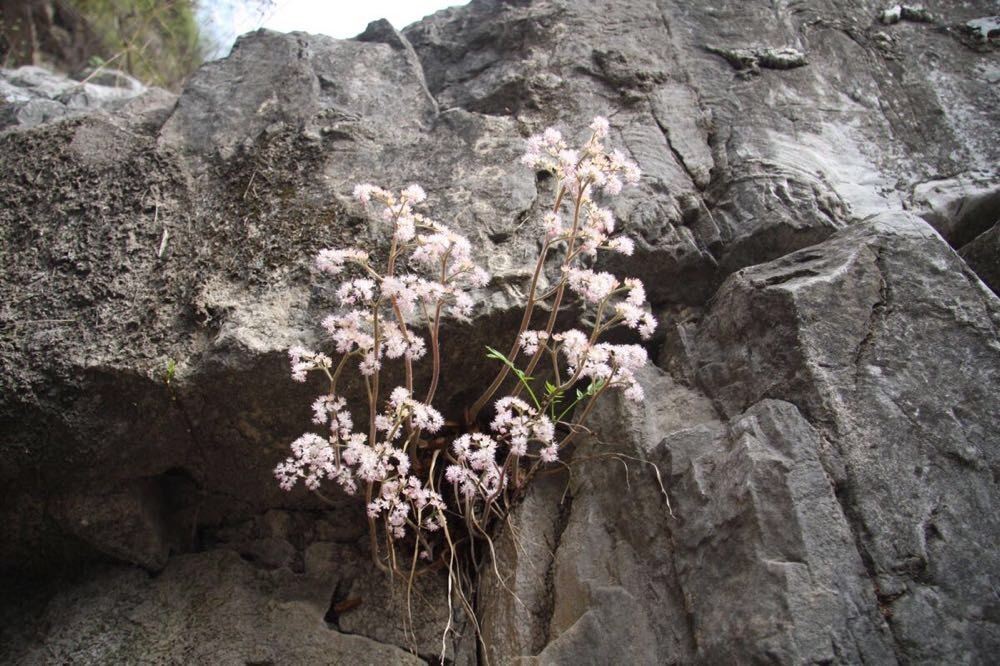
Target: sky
(224,20)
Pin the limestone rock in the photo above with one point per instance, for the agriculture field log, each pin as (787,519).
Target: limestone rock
(983,256)
(830,363)
(205,608)
(127,523)
(32,95)
(884,340)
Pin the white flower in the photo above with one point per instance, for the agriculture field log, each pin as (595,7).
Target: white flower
(552,137)
(413,194)
(462,308)
(303,360)
(549,453)
(592,287)
(612,186)
(623,245)
(369,364)
(364,192)
(553,225)
(424,416)
(530,340)
(600,127)
(405,229)
(332,261)
(350,331)
(312,460)
(353,291)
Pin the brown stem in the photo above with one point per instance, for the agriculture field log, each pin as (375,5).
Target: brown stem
(561,290)
(525,320)
(435,354)
(373,532)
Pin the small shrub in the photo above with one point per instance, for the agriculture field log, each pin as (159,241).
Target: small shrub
(433,504)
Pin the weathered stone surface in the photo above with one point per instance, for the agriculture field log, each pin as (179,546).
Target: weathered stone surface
(983,256)
(141,232)
(795,154)
(515,597)
(127,523)
(764,552)
(780,545)
(752,560)
(205,608)
(32,95)
(614,563)
(960,208)
(883,339)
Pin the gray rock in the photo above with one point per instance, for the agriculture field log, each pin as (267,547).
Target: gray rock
(111,78)
(959,208)
(985,28)
(751,60)
(127,523)
(898,13)
(884,340)
(779,545)
(983,256)
(30,96)
(765,554)
(142,232)
(515,596)
(206,608)
(603,558)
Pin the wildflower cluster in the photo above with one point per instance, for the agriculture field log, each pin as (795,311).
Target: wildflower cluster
(379,310)
(419,492)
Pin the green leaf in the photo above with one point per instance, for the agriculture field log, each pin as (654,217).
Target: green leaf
(524,379)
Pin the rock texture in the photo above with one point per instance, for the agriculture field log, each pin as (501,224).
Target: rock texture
(204,608)
(812,478)
(33,95)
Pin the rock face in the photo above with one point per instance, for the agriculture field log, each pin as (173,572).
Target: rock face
(205,608)
(811,479)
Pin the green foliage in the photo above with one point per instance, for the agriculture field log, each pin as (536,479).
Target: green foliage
(171,371)
(157,41)
(554,395)
(523,378)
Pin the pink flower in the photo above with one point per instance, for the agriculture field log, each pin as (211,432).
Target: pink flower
(364,192)
(332,261)
(592,287)
(413,194)
(600,127)
(622,245)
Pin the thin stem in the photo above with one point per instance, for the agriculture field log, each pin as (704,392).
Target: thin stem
(561,289)
(435,331)
(525,320)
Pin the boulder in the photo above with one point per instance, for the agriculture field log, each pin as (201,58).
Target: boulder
(887,343)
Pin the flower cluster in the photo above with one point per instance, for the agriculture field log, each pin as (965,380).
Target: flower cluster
(519,423)
(392,312)
(603,289)
(346,457)
(580,173)
(579,169)
(377,319)
(476,470)
(303,361)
